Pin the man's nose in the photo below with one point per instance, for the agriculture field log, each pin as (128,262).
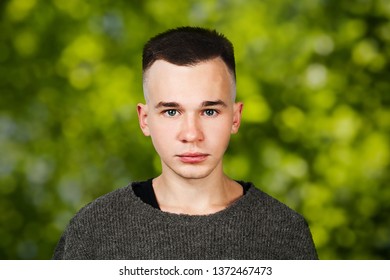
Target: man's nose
(191,129)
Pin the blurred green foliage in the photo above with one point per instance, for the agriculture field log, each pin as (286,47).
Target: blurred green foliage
(313,74)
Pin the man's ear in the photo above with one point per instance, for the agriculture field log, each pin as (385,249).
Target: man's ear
(142,110)
(237,111)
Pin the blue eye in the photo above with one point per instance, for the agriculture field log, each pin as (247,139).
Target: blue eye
(171,112)
(210,112)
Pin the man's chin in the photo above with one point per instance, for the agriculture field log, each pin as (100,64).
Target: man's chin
(193,174)
(192,171)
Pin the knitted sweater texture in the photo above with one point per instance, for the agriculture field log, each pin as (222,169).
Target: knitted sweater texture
(119,225)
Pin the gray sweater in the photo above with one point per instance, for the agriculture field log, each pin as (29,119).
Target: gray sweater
(119,225)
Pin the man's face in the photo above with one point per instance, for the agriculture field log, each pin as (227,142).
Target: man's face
(190,115)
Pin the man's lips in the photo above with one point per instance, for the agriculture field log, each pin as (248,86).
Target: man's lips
(192,157)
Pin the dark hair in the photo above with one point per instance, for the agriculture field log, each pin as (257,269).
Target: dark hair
(188,46)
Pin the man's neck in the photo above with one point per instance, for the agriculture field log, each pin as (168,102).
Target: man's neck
(203,196)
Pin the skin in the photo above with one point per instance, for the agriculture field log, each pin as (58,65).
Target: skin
(190,114)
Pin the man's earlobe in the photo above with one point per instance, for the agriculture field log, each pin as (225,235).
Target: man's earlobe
(237,112)
(142,111)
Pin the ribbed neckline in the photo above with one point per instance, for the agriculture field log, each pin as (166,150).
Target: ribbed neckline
(147,209)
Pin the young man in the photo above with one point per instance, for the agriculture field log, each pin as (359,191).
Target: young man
(192,210)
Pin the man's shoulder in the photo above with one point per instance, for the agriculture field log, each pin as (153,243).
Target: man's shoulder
(113,202)
(270,207)
(285,228)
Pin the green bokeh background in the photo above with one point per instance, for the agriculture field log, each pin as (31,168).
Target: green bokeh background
(313,74)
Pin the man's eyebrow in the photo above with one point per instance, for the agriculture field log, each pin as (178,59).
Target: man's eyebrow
(177,105)
(167,104)
(214,103)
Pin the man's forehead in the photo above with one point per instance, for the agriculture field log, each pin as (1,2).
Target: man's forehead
(211,80)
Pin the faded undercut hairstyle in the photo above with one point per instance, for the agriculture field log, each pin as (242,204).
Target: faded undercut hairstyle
(188,46)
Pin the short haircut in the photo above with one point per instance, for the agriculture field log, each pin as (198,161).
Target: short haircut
(188,46)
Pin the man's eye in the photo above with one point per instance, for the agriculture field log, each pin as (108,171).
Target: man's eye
(210,112)
(170,113)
